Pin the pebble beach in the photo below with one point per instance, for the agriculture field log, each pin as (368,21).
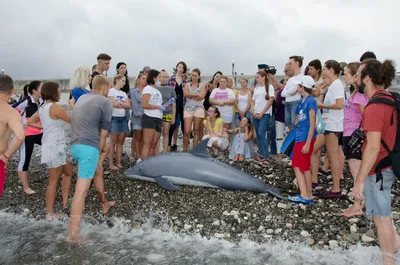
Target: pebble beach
(211,213)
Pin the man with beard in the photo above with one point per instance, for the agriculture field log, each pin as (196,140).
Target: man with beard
(375,179)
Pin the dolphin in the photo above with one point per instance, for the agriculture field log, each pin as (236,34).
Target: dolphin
(196,168)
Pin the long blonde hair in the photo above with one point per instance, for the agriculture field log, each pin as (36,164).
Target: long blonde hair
(80,77)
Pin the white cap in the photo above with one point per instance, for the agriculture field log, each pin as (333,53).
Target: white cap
(306,81)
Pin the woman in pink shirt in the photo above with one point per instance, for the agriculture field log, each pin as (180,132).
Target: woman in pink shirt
(353,109)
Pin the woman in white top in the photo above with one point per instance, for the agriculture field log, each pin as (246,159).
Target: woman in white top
(261,109)
(54,118)
(119,120)
(243,102)
(193,111)
(224,98)
(333,106)
(153,112)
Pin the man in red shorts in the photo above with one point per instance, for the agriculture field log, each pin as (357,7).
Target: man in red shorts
(10,121)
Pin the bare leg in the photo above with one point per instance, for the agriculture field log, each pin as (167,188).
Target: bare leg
(133,147)
(166,126)
(188,129)
(66,184)
(387,238)
(138,143)
(54,178)
(78,203)
(113,143)
(176,135)
(315,158)
(98,182)
(120,144)
(332,146)
(301,182)
(23,177)
(197,129)
(341,160)
(216,146)
(356,208)
(326,165)
(227,126)
(155,140)
(148,136)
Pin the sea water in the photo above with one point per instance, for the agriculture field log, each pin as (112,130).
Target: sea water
(25,240)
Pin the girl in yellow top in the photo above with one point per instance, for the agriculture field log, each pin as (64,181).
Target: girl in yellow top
(214,131)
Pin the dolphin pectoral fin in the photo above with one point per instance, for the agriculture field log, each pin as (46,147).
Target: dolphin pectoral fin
(166,184)
(200,149)
(275,192)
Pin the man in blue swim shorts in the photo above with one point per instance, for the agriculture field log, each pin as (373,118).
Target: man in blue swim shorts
(90,121)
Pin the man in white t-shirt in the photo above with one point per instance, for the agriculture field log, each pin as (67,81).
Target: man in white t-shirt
(290,90)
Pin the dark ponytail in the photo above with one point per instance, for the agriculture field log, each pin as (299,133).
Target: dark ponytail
(381,74)
(26,90)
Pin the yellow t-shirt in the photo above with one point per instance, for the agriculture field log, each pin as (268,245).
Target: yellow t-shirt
(217,126)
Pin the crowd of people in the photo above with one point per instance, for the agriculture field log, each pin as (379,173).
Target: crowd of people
(250,122)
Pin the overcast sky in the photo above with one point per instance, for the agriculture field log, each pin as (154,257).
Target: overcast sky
(48,38)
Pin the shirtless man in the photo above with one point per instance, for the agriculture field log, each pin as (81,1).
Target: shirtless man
(10,121)
(91,119)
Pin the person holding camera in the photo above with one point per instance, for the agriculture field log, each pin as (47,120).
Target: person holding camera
(290,93)
(374,180)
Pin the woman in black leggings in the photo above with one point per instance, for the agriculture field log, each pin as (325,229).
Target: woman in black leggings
(33,133)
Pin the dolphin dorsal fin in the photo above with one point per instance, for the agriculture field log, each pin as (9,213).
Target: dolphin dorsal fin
(201,149)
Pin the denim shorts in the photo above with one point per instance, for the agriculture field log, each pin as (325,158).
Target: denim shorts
(378,202)
(87,158)
(119,125)
(290,113)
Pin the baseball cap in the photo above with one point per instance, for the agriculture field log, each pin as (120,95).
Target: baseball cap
(306,81)
(262,66)
(146,68)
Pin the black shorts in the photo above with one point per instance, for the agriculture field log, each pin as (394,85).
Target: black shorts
(151,123)
(339,135)
(348,152)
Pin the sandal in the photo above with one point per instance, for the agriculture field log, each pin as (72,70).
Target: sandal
(298,199)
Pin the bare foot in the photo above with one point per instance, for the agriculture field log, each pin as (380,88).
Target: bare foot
(53,216)
(76,240)
(352,211)
(106,206)
(112,167)
(119,166)
(29,191)
(132,159)
(235,158)
(241,158)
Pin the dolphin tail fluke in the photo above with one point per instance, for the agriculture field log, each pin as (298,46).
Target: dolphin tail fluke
(275,192)
(200,149)
(166,184)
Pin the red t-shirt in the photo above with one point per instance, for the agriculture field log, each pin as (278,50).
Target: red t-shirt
(377,118)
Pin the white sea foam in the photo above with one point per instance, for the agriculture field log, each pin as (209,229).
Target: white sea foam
(30,241)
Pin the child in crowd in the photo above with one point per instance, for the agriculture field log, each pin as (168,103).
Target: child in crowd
(168,95)
(242,145)
(304,141)
(214,130)
(224,98)
(119,121)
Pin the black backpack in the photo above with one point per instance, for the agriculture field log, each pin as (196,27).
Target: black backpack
(393,158)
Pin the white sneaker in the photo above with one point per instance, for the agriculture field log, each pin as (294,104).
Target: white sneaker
(139,160)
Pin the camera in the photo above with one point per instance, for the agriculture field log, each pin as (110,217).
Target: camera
(270,69)
(356,141)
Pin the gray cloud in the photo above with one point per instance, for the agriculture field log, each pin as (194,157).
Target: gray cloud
(48,39)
